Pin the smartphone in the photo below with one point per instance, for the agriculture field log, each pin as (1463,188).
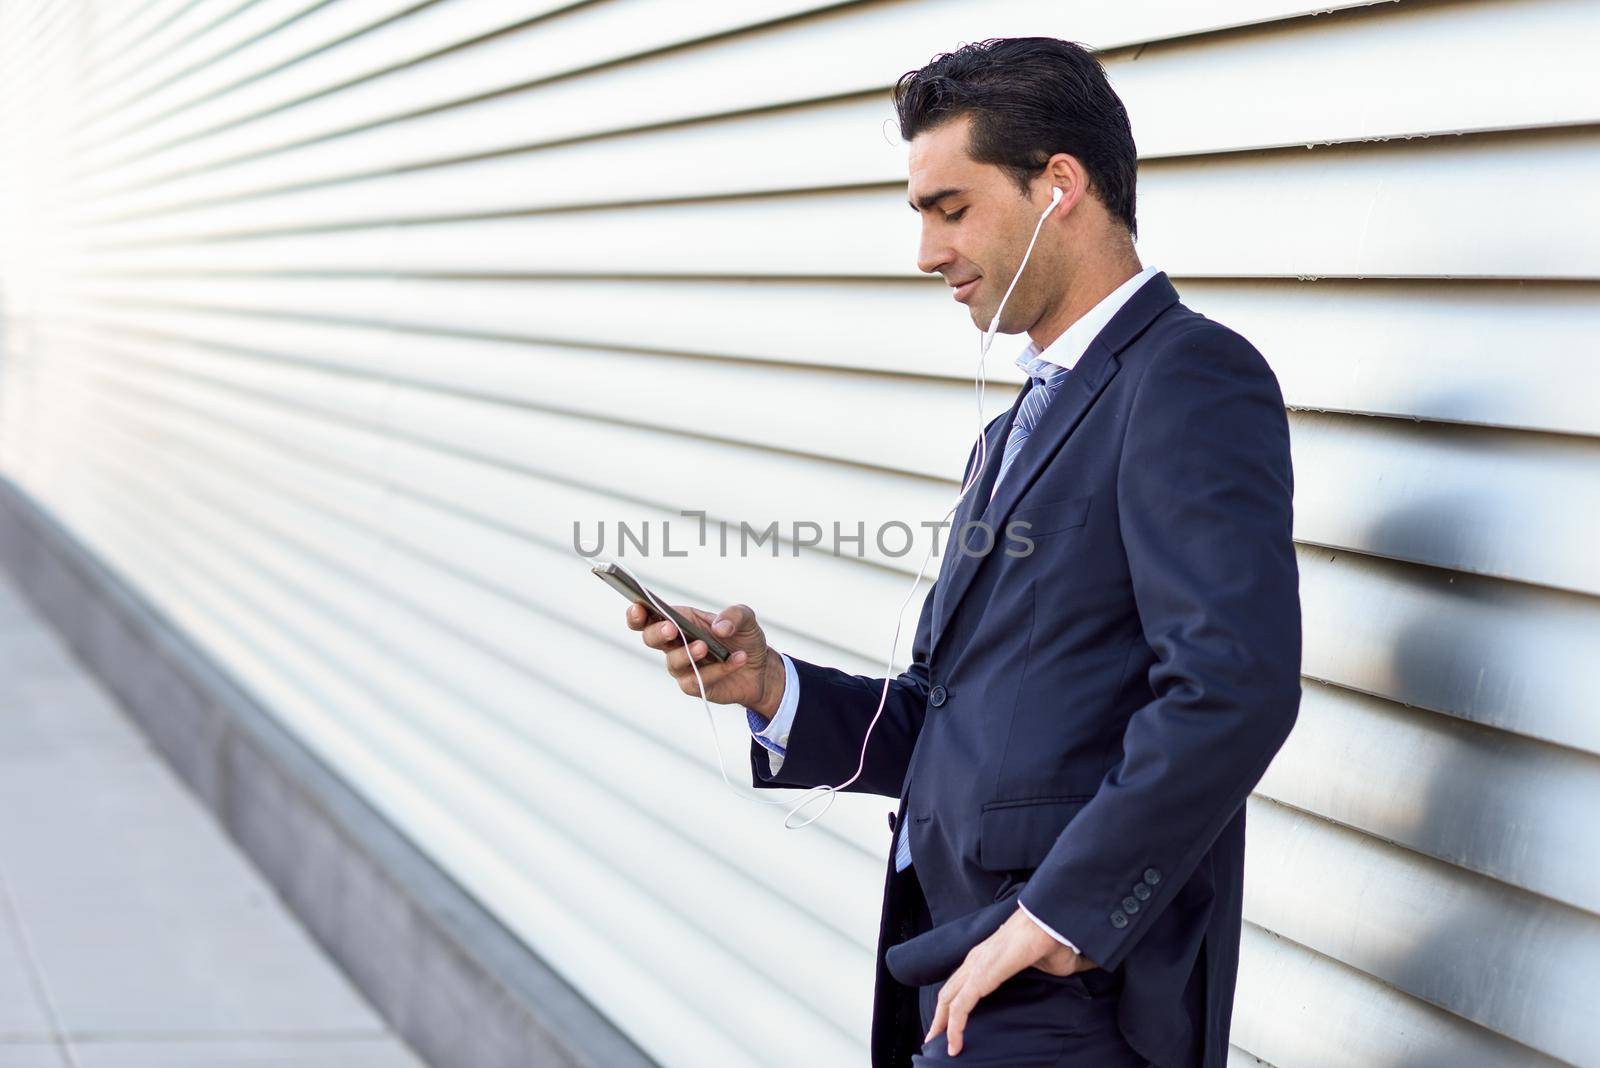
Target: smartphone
(624,583)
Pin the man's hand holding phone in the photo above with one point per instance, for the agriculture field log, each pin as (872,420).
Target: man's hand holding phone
(752,676)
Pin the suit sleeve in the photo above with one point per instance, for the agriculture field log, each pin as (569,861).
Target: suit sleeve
(1205,501)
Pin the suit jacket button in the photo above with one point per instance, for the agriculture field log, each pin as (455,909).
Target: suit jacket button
(1141,891)
(1130,905)
(1119,920)
(936,696)
(1152,876)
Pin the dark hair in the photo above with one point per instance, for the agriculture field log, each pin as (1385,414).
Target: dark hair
(1029,98)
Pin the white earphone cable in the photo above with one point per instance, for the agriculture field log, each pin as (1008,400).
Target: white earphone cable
(980,459)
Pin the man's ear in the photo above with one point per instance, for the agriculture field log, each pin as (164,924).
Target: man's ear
(1064,172)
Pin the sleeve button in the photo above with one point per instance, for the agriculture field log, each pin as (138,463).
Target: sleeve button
(1141,891)
(1119,919)
(1152,876)
(1130,905)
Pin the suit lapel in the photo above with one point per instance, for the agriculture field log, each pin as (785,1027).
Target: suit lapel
(978,494)
(1083,384)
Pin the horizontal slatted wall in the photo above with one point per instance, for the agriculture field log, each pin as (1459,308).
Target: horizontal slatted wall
(323,323)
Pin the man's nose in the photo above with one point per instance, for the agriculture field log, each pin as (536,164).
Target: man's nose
(932,254)
(932,258)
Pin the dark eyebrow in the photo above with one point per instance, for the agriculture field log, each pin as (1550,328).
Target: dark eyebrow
(933,198)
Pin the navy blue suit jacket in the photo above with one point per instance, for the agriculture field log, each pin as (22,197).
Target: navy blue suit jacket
(1082,723)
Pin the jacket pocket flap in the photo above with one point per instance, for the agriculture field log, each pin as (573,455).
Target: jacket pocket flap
(1014,835)
(1046,517)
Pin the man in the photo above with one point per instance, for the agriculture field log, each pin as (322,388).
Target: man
(1074,741)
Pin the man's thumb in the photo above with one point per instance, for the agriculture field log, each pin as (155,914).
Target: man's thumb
(732,619)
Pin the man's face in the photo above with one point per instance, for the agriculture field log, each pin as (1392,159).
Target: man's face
(978,234)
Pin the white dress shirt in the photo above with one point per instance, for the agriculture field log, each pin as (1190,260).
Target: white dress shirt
(1064,351)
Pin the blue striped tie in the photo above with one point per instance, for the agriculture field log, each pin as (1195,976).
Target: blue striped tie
(1046,383)
(1032,407)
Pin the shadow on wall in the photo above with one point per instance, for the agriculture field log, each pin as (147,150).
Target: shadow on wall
(1467,802)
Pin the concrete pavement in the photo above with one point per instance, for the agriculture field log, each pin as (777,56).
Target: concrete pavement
(133,934)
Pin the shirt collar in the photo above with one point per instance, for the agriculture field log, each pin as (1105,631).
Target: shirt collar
(1066,350)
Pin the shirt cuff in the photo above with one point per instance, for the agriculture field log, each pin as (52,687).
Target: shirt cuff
(1051,931)
(774,733)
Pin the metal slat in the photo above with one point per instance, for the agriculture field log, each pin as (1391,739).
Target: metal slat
(1506,354)
(1393,210)
(1297,1007)
(1510,961)
(266,40)
(1367,347)
(748,71)
(1359,75)
(1462,498)
(1498,804)
(906,424)
(439,160)
(164,27)
(1486,651)
(353,67)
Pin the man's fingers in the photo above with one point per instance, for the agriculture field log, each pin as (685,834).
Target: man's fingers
(947,994)
(959,1008)
(711,673)
(678,660)
(662,635)
(957,998)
